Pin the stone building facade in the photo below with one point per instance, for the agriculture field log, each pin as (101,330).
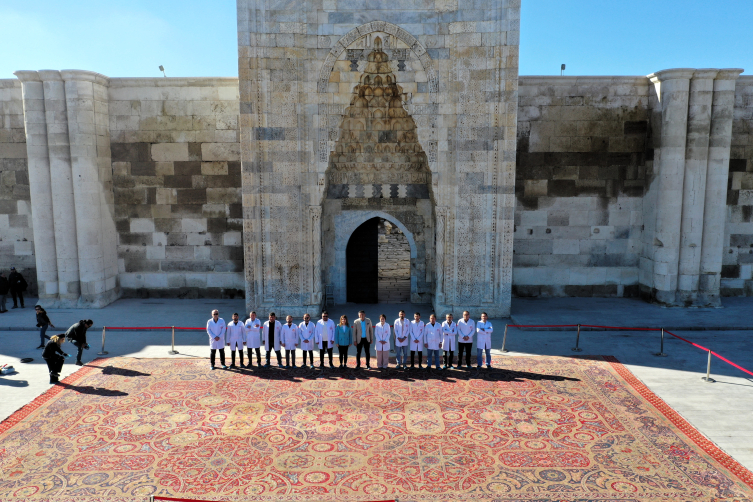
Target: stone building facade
(345,111)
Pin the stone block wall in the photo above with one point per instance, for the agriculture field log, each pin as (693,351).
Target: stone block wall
(583,150)
(16,233)
(394,264)
(737,268)
(177,184)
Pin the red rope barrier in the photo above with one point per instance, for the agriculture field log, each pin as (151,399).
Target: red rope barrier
(705,349)
(542,325)
(619,327)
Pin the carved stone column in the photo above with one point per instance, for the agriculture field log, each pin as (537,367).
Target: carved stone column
(715,210)
(316,250)
(672,88)
(41,186)
(61,175)
(441,213)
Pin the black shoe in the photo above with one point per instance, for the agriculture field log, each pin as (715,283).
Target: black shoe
(368,367)
(15,306)
(23,307)
(79,363)
(41,347)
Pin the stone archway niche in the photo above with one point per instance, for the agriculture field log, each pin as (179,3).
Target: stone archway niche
(344,224)
(378,165)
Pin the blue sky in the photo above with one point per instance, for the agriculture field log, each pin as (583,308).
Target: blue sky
(131,38)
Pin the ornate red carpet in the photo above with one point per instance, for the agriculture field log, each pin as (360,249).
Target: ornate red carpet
(533,428)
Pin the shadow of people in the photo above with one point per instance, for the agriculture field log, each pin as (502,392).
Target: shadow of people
(93,391)
(14,383)
(113,370)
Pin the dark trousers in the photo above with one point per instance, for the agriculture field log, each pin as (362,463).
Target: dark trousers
(55,365)
(311,356)
(212,356)
(80,346)
(42,335)
(277,353)
(343,350)
(413,354)
(289,354)
(232,356)
(467,348)
(258,356)
(19,294)
(324,349)
(363,344)
(448,357)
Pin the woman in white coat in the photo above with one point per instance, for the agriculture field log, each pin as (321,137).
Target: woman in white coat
(382,342)
(216,330)
(307,332)
(484,340)
(271,334)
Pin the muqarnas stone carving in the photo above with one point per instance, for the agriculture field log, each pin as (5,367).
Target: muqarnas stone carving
(378,140)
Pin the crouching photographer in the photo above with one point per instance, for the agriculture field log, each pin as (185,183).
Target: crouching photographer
(77,334)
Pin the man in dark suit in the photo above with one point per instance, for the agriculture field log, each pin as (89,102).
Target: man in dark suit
(17,287)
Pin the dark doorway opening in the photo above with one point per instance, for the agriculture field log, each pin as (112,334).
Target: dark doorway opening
(362,263)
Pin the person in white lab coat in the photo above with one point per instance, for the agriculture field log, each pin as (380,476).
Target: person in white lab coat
(382,342)
(216,331)
(449,332)
(484,340)
(236,339)
(466,330)
(307,332)
(325,338)
(289,340)
(402,333)
(433,341)
(416,340)
(253,339)
(271,334)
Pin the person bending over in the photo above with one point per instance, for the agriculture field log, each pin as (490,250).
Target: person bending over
(77,334)
(55,357)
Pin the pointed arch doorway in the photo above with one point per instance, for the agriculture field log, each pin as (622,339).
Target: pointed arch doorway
(362,263)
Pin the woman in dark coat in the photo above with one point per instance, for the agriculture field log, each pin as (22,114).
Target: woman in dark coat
(43,322)
(54,356)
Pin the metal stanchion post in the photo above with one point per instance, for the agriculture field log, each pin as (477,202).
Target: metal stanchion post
(173,351)
(708,378)
(577,340)
(104,352)
(661,351)
(504,340)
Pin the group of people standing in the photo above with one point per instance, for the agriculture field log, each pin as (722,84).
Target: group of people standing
(439,340)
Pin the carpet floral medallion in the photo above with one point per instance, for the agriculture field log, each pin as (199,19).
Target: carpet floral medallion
(531,429)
